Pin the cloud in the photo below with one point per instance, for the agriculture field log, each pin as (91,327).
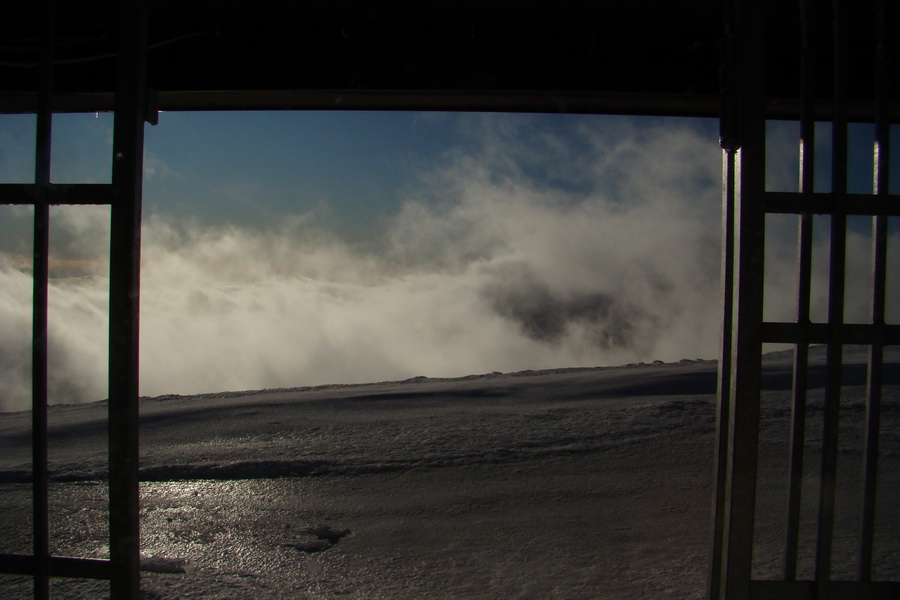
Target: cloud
(154,167)
(530,247)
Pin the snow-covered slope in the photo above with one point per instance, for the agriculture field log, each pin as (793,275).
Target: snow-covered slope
(572,483)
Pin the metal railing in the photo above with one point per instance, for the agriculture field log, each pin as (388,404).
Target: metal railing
(746,204)
(123,196)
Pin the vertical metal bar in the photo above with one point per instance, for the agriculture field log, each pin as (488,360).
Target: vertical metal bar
(743,426)
(128,141)
(724,375)
(879,286)
(40,280)
(728,116)
(837,266)
(804,276)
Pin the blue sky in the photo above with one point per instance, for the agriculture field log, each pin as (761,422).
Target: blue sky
(347,168)
(251,166)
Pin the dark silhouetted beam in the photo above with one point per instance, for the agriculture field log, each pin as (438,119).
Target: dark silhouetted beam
(59,566)
(124,295)
(56,194)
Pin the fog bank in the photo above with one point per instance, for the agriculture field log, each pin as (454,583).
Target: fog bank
(530,251)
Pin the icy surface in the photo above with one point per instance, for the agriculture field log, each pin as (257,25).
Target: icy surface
(574,483)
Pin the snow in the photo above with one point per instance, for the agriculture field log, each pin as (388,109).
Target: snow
(570,483)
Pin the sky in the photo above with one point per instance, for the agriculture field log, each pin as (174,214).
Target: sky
(288,249)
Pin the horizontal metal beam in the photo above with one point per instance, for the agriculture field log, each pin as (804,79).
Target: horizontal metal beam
(820,333)
(57,194)
(838,590)
(695,105)
(793,203)
(60,566)
(599,102)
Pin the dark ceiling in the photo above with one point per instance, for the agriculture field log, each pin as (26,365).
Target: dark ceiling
(650,56)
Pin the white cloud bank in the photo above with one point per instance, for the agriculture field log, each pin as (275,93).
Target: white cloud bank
(490,265)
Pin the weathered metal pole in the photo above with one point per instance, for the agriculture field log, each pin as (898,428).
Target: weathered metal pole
(739,402)
(124,302)
(40,316)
